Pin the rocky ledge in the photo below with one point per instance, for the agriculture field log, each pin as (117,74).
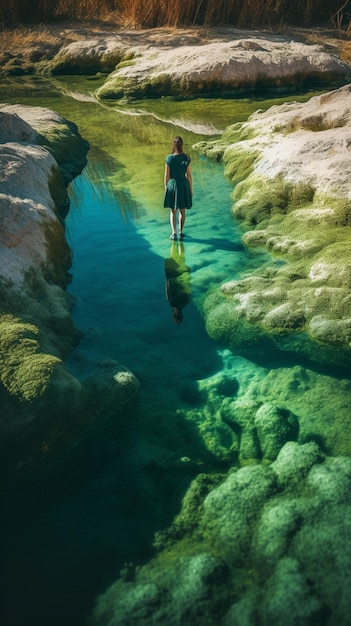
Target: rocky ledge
(44,407)
(181,63)
(222,68)
(290,167)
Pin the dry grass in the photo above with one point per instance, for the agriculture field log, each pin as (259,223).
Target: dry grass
(21,38)
(345,51)
(154,13)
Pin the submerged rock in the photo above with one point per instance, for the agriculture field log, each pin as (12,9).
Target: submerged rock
(291,169)
(179,594)
(270,545)
(274,427)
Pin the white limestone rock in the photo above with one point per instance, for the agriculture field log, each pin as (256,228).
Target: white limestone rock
(222,66)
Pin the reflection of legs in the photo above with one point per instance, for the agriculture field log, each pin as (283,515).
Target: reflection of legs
(172,219)
(181,220)
(177,249)
(180,248)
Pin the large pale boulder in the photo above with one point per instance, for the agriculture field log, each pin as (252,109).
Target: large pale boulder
(88,56)
(27,211)
(45,408)
(57,134)
(241,64)
(40,151)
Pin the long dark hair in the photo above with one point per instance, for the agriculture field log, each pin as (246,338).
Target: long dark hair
(177,145)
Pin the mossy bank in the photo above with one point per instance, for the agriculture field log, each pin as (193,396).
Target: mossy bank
(290,169)
(46,411)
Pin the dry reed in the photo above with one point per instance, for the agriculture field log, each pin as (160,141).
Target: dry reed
(153,13)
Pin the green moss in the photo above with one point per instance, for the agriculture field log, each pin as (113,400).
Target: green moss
(116,88)
(24,370)
(213,150)
(237,132)
(260,200)
(159,85)
(315,123)
(225,325)
(184,528)
(59,255)
(239,165)
(125,63)
(66,145)
(31,376)
(341,209)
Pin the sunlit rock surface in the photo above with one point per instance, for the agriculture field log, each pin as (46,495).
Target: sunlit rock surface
(290,167)
(219,67)
(41,402)
(190,62)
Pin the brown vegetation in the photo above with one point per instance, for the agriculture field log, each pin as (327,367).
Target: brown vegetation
(153,13)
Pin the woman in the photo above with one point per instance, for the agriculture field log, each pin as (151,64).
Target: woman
(178,186)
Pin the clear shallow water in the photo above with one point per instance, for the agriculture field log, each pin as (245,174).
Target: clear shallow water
(119,280)
(65,550)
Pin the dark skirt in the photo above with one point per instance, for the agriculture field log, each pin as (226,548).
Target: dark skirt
(178,195)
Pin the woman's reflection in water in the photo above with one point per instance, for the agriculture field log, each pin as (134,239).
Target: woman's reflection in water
(178,286)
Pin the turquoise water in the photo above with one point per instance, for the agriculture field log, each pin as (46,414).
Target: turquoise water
(66,548)
(126,315)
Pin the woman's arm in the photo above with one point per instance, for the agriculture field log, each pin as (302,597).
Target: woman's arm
(167,174)
(190,178)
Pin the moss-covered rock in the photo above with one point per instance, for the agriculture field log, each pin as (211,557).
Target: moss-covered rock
(87,56)
(47,413)
(272,546)
(221,68)
(274,428)
(180,593)
(24,371)
(292,194)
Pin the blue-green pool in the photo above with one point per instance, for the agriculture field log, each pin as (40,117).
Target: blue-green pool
(60,555)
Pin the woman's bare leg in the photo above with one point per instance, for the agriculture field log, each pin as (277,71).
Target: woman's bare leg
(181,220)
(172,220)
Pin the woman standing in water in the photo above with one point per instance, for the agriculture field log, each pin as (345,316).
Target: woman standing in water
(178,186)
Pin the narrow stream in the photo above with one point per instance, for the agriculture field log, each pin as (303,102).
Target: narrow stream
(126,315)
(61,557)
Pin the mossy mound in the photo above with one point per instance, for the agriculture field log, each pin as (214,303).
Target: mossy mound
(259,545)
(47,413)
(72,60)
(24,372)
(291,178)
